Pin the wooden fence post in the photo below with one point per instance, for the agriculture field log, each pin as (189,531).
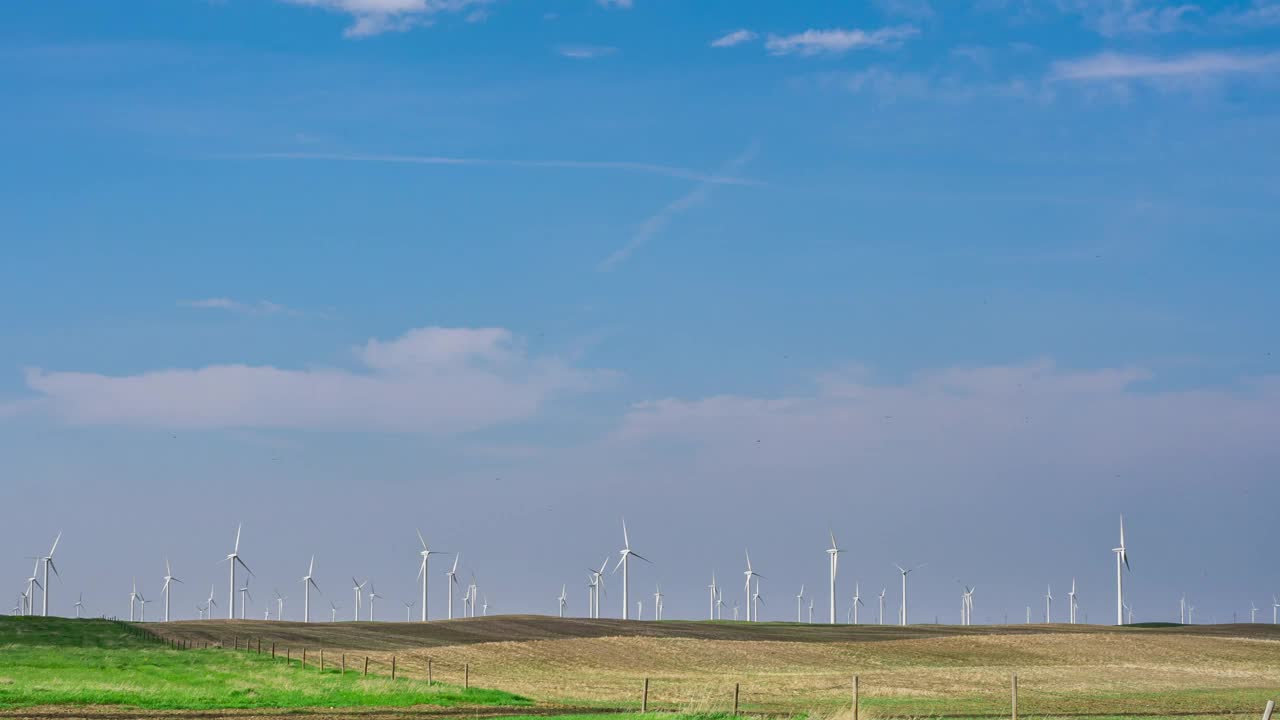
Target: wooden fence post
(259,644)
(236,639)
(321,659)
(288,655)
(1015,696)
(855,697)
(736,687)
(304,658)
(428,671)
(393,667)
(466,676)
(644,698)
(366,665)
(1266,713)
(273,650)
(343,671)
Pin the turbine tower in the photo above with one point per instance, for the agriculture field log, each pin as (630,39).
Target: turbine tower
(47,560)
(624,562)
(79,606)
(452,576)
(562,600)
(1048,604)
(799,603)
(1122,564)
(422,572)
(34,582)
(1071,603)
(749,573)
(757,600)
(280,604)
(902,613)
(209,604)
(833,555)
(882,592)
(133,598)
(857,600)
(308,582)
(358,588)
(712,587)
(233,559)
(244,597)
(373,597)
(169,579)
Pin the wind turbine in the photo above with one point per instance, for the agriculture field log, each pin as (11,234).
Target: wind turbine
(757,600)
(233,559)
(639,609)
(452,576)
(1122,564)
(133,598)
(484,605)
(466,602)
(657,603)
(169,579)
(308,582)
(749,573)
(142,604)
(833,554)
(1182,609)
(210,604)
(1071,602)
(903,612)
(79,605)
(624,562)
(597,588)
(422,572)
(563,601)
(735,610)
(720,605)
(1275,606)
(810,610)
(34,582)
(244,597)
(408,610)
(799,603)
(1048,604)
(333,612)
(1253,612)
(712,587)
(200,610)
(47,560)
(280,604)
(358,588)
(882,592)
(373,596)
(857,600)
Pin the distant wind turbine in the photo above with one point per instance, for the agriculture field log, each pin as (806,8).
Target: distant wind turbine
(1275,606)
(597,588)
(624,562)
(209,604)
(750,573)
(1071,602)
(757,600)
(233,559)
(857,600)
(358,588)
(1253,612)
(280,604)
(47,561)
(833,556)
(373,597)
(169,579)
(657,603)
(1122,564)
(562,601)
(882,592)
(142,605)
(408,610)
(422,572)
(245,597)
(799,603)
(452,579)
(308,582)
(79,606)
(34,582)
(133,598)
(720,605)
(712,587)
(1048,604)
(902,616)
(333,612)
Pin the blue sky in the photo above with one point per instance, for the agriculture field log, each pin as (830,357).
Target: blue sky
(739,270)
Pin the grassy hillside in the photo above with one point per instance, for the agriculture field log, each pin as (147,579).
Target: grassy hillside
(784,668)
(55,661)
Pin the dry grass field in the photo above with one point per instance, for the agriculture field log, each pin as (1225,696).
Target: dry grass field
(921,671)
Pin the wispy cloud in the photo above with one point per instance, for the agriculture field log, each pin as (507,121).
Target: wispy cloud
(261,307)
(619,4)
(431,380)
(1112,18)
(838,41)
(585,52)
(737,37)
(1119,66)
(616,165)
(655,223)
(373,17)
(1258,14)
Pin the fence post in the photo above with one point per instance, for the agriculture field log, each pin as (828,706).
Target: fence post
(288,655)
(1015,696)
(428,671)
(343,671)
(273,650)
(393,667)
(855,697)
(466,676)
(644,698)
(366,665)
(321,659)
(1266,713)
(304,658)
(259,644)
(735,699)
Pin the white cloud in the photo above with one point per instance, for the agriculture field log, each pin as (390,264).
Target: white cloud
(967,419)
(585,52)
(837,41)
(431,380)
(1111,18)
(737,37)
(373,17)
(1119,66)
(1259,14)
(262,307)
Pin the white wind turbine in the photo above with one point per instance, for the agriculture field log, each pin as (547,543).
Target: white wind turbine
(1048,604)
(882,592)
(484,605)
(1071,602)
(373,597)
(757,600)
(34,582)
(466,602)
(624,562)
(333,612)
(169,579)
(133,598)
(233,559)
(358,588)
(799,603)
(47,561)
(902,613)
(142,608)
(720,604)
(810,611)
(1122,564)
(750,573)
(562,600)
(422,572)
(1182,609)
(473,594)
(1275,607)
(408,610)
(857,600)
(79,606)
(657,603)
(308,582)
(245,597)
(200,611)
(833,555)
(712,587)
(735,610)
(210,604)
(280,604)
(1253,612)
(597,588)
(451,580)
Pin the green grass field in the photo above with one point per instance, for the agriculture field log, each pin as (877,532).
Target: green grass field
(55,661)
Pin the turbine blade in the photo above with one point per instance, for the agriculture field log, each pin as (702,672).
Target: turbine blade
(626,541)
(424,542)
(638,555)
(238,529)
(55,544)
